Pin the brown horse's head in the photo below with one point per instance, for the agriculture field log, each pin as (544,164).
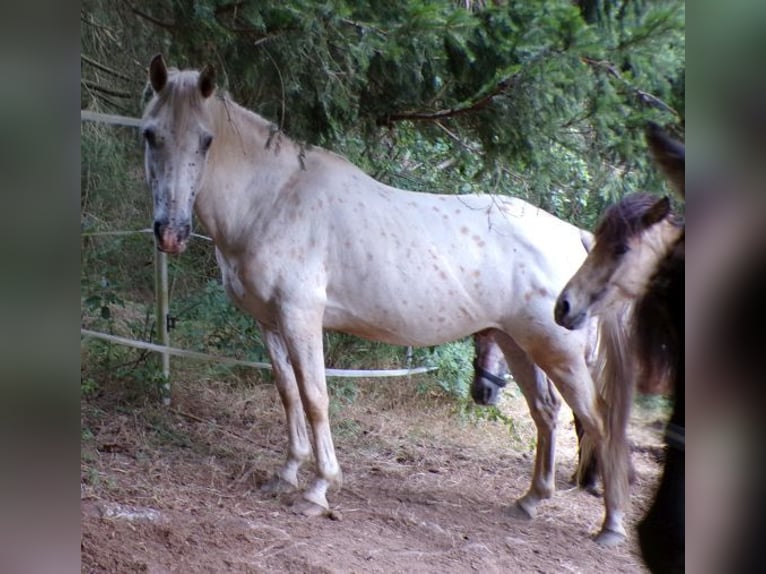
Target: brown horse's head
(490,370)
(630,238)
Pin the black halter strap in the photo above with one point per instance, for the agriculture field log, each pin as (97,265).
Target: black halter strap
(675,436)
(500,382)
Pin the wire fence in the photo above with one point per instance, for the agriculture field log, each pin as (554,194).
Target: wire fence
(162,305)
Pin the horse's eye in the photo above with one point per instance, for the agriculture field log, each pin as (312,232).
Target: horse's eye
(207,139)
(621,249)
(150,137)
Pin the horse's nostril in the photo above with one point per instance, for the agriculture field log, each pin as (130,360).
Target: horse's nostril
(159,227)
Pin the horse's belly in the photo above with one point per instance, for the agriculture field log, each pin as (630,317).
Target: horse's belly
(407,320)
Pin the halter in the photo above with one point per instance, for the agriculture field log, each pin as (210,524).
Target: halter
(499,382)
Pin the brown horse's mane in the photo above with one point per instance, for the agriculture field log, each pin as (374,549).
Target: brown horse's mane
(623,220)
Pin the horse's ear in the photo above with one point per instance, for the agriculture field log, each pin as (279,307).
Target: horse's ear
(207,81)
(158,73)
(656,212)
(669,154)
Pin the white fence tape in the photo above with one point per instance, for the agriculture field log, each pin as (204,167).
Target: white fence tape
(147,230)
(348,373)
(109,119)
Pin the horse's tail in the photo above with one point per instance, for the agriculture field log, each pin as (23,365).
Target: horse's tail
(613,373)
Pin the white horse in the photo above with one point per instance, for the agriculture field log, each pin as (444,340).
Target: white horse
(306,241)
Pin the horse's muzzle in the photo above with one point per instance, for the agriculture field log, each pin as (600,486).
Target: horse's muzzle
(171,239)
(484,394)
(563,315)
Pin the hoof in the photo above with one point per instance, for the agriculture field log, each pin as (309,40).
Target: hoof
(277,485)
(593,490)
(308,508)
(520,511)
(609,538)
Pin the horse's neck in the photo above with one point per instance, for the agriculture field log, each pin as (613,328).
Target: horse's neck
(249,164)
(657,242)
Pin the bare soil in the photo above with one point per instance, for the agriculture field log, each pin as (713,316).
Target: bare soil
(425,490)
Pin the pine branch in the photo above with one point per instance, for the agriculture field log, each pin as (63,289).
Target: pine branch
(225,8)
(103,68)
(645,97)
(151,19)
(96,88)
(482,102)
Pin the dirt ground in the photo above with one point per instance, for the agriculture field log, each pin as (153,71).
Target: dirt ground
(424,489)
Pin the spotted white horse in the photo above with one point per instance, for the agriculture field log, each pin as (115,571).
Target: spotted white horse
(306,241)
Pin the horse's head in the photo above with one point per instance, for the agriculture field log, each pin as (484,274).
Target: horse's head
(490,370)
(177,133)
(629,240)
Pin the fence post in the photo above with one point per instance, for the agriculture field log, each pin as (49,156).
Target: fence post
(161,286)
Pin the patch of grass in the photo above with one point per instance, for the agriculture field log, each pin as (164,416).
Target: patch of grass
(658,405)
(346,428)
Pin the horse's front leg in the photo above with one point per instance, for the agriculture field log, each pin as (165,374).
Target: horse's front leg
(299,447)
(302,333)
(574,382)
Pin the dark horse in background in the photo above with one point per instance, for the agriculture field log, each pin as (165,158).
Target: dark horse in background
(660,336)
(638,258)
(491,375)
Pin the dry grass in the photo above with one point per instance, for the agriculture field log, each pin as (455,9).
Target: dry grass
(236,425)
(419,480)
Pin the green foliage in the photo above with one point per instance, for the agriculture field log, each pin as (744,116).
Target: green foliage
(454,364)
(207,321)
(102,302)
(661,403)
(88,386)
(106,365)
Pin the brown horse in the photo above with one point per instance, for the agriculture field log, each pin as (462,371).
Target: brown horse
(638,257)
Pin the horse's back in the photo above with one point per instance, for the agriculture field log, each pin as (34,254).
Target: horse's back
(439,267)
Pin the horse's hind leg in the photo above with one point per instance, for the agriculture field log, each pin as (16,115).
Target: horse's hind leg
(299,447)
(544,404)
(586,475)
